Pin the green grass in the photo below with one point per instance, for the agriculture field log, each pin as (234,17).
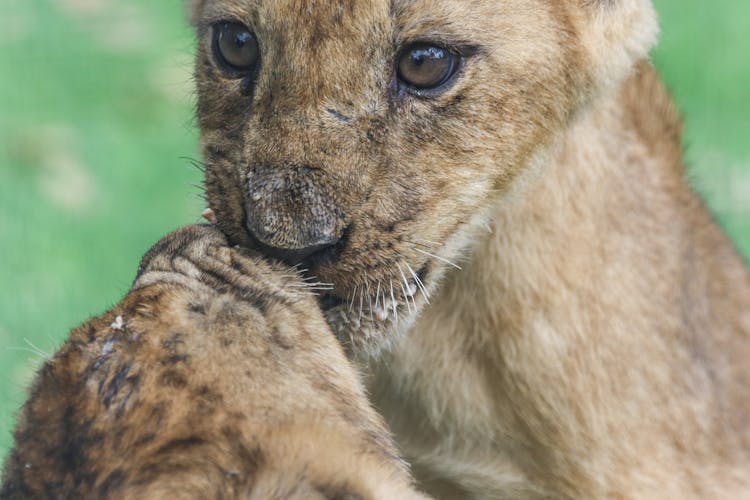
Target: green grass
(95,119)
(703,56)
(95,122)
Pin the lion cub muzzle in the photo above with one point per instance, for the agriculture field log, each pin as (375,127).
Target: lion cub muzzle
(292,212)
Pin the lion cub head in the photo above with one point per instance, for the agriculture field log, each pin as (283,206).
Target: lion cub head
(364,139)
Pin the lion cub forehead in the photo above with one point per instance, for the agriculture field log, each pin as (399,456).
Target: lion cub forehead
(408,18)
(287,13)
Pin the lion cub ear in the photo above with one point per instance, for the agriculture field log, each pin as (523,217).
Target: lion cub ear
(615,35)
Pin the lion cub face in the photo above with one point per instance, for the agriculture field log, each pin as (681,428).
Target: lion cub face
(362,139)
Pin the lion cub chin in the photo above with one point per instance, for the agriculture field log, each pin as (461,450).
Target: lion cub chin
(215,377)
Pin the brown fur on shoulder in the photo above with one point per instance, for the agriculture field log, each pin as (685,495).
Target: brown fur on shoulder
(215,377)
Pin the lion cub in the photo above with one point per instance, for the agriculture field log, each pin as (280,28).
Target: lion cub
(215,377)
(495,190)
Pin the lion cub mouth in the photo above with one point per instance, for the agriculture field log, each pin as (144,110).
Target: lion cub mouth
(384,306)
(363,309)
(367,318)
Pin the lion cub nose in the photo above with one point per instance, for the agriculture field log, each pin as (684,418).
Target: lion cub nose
(292,213)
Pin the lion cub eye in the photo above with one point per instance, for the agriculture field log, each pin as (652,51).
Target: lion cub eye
(423,66)
(235,47)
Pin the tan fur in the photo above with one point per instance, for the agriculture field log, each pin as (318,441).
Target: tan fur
(594,342)
(215,377)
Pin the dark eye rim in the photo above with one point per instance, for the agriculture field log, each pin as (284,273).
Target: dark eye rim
(229,69)
(459,55)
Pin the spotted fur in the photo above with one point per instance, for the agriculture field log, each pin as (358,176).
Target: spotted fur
(215,377)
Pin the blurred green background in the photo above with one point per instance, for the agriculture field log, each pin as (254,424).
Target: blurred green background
(96,132)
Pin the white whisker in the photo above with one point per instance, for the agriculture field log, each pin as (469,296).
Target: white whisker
(434,243)
(369,295)
(394,305)
(354,295)
(27,349)
(442,259)
(39,351)
(369,299)
(289,276)
(419,283)
(361,303)
(320,283)
(405,287)
(310,286)
(406,299)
